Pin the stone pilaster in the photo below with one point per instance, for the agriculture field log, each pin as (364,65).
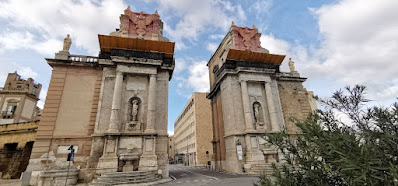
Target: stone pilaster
(246,107)
(271,108)
(114,120)
(151,104)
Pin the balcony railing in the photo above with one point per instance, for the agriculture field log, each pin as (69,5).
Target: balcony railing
(7,114)
(85,59)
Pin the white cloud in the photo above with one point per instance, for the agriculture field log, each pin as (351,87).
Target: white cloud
(261,6)
(274,45)
(358,46)
(24,71)
(171,133)
(42,25)
(216,36)
(42,97)
(180,65)
(212,47)
(199,76)
(197,17)
(360,40)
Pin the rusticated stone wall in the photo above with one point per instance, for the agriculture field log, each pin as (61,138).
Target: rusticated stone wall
(14,161)
(295,103)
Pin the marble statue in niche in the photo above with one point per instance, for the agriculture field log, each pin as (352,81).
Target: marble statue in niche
(134,121)
(258,113)
(134,110)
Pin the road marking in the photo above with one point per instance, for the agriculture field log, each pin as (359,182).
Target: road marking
(196,180)
(202,175)
(179,182)
(172,177)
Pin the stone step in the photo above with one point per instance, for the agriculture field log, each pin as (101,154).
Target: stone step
(127,181)
(124,175)
(118,178)
(121,182)
(130,178)
(127,173)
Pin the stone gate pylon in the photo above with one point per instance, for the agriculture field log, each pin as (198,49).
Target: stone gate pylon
(112,108)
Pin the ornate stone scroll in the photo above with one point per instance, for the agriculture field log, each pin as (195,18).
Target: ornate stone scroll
(247,38)
(139,23)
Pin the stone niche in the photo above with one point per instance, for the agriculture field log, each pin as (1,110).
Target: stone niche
(258,106)
(134,104)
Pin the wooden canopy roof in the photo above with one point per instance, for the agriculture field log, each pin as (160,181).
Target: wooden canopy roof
(113,42)
(261,57)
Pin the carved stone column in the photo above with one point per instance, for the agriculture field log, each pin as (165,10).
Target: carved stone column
(151,104)
(114,121)
(246,107)
(271,108)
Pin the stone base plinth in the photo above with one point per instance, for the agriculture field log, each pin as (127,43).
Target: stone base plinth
(58,177)
(62,55)
(107,164)
(148,162)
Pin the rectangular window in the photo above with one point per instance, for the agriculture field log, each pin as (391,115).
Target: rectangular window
(11,108)
(9,113)
(19,86)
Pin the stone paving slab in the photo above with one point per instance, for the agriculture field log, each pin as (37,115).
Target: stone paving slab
(10,182)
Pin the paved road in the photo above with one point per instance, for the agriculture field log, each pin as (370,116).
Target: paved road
(198,176)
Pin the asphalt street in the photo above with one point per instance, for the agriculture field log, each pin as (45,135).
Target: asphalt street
(185,175)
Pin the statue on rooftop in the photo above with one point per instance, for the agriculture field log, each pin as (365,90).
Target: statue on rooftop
(67,43)
(291,65)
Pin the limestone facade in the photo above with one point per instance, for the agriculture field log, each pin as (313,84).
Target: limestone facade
(111,108)
(249,97)
(18,99)
(193,131)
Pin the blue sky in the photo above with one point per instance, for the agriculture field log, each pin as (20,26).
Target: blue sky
(334,43)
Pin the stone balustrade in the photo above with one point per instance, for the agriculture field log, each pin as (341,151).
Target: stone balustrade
(81,58)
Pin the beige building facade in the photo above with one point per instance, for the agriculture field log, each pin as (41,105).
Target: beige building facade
(250,96)
(112,108)
(18,100)
(171,149)
(193,131)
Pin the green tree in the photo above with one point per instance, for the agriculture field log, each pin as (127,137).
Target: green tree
(330,152)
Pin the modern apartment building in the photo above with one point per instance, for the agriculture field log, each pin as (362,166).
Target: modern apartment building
(193,131)
(18,99)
